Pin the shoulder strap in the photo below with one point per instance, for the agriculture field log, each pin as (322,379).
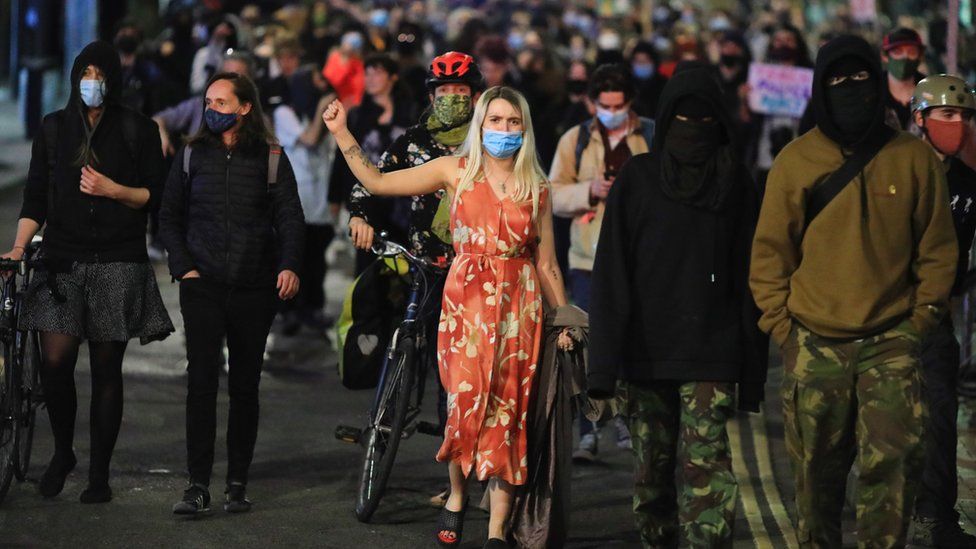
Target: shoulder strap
(187,150)
(582,140)
(647,130)
(274,156)
(826,191)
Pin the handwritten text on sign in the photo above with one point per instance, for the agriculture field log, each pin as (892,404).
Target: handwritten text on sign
(779,89)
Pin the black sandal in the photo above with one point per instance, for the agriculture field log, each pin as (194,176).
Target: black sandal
(450,522)
(495,543)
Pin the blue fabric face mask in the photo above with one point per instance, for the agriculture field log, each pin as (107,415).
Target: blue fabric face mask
(92,92)
(501,144)
(612,120)
(643,71)
(219,122)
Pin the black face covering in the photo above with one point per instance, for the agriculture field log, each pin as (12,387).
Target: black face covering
(851,107)
(692,142)
(729,61)
(697,165)
(127,44)
(576,87)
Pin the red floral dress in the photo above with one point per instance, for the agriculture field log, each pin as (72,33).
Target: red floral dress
(490,333)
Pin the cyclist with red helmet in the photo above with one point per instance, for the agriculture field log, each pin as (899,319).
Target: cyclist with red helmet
(453,83)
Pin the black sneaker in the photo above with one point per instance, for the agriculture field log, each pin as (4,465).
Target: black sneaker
(944,534)
(196,500)
(235,498)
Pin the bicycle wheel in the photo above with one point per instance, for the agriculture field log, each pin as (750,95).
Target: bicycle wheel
(382,438)
(8,396)
(29,394)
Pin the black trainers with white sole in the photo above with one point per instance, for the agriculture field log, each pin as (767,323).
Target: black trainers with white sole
(196,501)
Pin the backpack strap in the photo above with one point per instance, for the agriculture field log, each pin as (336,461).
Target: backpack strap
(187,151)
(647,130)
(826,191)
(582,140)
(274,157)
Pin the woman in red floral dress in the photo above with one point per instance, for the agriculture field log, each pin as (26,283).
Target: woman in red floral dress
(491,319)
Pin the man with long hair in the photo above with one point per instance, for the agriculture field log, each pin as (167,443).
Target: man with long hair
(234,229)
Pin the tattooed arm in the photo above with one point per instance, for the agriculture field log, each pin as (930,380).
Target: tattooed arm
(424,179)
(550,276)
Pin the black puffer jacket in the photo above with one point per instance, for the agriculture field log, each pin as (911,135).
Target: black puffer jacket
(125,147)
(225,221)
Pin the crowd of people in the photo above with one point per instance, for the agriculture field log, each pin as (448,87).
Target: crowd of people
(564,160)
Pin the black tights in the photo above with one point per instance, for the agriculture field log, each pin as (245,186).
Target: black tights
(60,354)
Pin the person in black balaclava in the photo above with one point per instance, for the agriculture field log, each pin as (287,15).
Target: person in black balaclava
(92,198)
(849,294)
(676,323)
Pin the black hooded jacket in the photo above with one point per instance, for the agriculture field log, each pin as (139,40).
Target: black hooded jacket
(125,147)
(670,297)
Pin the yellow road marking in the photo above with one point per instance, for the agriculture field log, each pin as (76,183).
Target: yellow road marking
(750,505)
(768,480)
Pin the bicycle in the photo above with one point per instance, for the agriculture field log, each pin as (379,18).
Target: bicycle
(20,390)
(399,393)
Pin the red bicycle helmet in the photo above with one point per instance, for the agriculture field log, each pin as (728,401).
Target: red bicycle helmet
(455,67)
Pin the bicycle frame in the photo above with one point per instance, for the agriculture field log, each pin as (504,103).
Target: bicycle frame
(421,290)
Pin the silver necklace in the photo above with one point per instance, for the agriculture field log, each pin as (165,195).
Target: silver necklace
(504,190)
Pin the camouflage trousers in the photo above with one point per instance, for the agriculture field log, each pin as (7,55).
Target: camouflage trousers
(673,423)
(853,400)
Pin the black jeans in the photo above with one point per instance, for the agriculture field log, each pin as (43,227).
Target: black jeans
(940,370)
(211,312)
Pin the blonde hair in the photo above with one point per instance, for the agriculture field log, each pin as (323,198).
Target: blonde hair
(529,176)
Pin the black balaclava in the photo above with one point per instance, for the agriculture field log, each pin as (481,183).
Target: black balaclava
(850,102)
(693,141)
(849,54)
(698,165)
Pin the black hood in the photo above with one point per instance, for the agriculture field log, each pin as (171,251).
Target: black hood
(102,55)
(838,48)
(697,81)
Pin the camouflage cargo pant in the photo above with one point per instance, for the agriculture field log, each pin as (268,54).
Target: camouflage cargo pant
(853,400)
(673,422)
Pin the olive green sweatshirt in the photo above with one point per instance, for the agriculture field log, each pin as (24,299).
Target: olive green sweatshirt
(871,258)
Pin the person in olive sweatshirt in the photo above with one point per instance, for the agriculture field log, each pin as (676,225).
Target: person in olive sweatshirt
(672,316)
(849,296)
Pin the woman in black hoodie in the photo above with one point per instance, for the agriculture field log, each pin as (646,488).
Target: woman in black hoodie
(672,316)
(96,171)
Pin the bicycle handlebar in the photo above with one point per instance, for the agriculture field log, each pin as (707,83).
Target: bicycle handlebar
(388,248)
(20,265)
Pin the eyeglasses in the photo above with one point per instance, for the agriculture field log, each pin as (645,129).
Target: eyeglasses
(856,77)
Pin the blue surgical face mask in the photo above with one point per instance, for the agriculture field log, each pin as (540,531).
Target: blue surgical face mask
(219,122)
(612,120)
(643,71)
(379,18)
(501,144)
(92,92)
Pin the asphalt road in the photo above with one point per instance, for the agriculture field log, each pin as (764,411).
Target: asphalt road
(303,481)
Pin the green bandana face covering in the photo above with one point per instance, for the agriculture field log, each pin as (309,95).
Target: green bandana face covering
(452,110)
(903,69)
(448,121)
